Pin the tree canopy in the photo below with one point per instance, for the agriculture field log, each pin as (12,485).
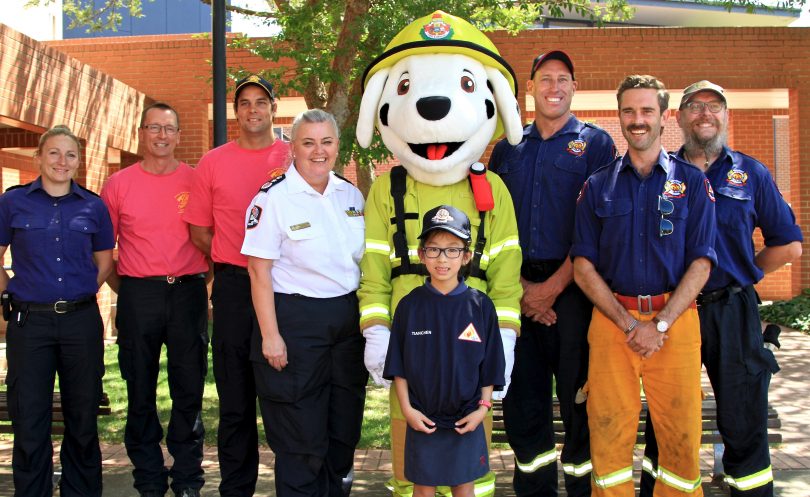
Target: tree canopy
(332,41)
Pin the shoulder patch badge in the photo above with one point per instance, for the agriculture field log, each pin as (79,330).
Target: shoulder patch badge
(577,147)
(709,189)
(469,334)
(253,218)
(674,188)
(736,177)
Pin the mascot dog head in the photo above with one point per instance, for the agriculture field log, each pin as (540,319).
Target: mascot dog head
(438,94)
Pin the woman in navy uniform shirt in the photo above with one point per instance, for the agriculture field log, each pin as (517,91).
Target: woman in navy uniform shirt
(61,242)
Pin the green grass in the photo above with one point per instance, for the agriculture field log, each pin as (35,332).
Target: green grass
(793,313)
(111,428)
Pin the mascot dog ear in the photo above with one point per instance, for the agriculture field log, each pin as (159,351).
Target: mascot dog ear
(508,108)
(368,107)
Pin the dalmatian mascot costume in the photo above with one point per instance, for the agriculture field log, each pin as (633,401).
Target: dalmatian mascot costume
(438,95)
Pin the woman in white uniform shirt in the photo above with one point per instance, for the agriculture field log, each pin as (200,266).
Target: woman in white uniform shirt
(304,240)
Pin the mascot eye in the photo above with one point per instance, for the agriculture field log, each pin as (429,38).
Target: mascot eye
(467,84)
(403,86)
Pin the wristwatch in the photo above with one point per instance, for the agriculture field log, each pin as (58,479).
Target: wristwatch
(661,326)
(485,403)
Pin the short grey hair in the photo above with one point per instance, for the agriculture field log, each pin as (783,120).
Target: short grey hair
(313,116)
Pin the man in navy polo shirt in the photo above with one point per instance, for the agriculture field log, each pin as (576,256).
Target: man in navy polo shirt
(643,248)
(544,173)
(738,365)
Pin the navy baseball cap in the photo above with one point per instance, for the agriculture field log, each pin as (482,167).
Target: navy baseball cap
(256,80)
(553,55)
(446,218)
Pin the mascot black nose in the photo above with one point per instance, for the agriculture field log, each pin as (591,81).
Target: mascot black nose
(433,108)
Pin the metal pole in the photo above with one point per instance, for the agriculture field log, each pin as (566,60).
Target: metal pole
(220,88)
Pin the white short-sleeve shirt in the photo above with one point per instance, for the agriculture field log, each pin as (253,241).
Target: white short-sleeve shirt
(315,240)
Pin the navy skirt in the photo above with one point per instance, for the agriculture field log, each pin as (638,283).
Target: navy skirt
(445,458)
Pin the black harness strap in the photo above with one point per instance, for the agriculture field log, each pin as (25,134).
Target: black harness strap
(398,174)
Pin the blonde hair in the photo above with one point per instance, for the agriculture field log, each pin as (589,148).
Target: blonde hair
(58,130)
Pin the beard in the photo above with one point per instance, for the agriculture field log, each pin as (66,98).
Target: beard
(709,147)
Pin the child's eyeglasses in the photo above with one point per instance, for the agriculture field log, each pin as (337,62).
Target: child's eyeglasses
(449,252)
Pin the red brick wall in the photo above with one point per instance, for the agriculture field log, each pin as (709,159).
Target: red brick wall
(175,69)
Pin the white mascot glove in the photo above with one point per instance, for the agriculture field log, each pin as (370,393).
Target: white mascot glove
(377,337)
(508,337)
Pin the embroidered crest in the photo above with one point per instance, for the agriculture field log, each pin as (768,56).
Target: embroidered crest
(737,177)
(469,334)
(674,188)
(182,201)
(352,212)
(577,147)
(709,189)
(437,29)
(253,218)
(442,216)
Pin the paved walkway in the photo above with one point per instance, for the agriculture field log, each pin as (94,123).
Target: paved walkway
(789,394)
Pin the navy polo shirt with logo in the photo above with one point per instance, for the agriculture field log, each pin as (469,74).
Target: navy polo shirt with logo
(544,177)
(618,224)
(52,241)
(447,347)
(747,198)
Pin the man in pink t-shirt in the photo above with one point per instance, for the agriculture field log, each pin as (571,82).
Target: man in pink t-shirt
(225,181)
(162,299)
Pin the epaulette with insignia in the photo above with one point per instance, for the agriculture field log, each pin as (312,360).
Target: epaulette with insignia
(17,186)
(270,184)
(344,179)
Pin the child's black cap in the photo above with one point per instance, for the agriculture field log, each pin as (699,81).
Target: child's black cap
(447,218)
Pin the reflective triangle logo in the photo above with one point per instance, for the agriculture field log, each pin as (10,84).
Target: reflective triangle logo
(469,334)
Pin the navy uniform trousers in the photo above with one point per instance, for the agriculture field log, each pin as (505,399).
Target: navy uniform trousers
(152,313)
(541,351)
(313,409)
(237,437)
(740,370)
(71,345)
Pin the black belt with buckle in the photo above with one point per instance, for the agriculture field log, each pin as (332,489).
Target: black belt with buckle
(716,295)
(59,307)
(175,279)
(222,267)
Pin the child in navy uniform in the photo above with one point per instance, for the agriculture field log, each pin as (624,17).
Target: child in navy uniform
(445,357)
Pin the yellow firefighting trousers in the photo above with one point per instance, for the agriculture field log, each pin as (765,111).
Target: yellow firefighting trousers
(399,485)
(671,382)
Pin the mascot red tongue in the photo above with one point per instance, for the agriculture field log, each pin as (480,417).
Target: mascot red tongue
(440,88)
(436,151)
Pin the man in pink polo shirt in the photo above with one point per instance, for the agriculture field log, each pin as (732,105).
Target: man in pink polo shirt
(162,299)
(225,181)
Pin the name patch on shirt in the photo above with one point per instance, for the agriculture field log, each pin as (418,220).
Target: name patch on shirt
(353,212)
(737,177)
(577,147)
(300,226)
(674,188)
(469,334)
(253,218)
(421,333)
